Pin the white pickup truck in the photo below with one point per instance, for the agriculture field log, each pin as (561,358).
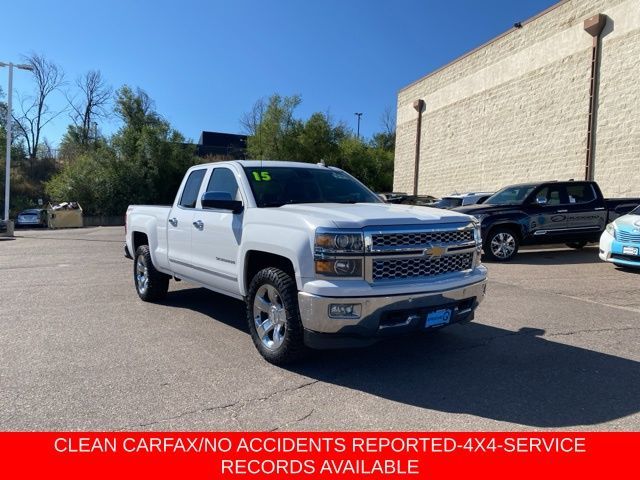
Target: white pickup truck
(319,259)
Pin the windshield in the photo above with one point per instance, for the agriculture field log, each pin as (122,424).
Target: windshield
(635,211)
(277,186)
(448,202)
(511,195)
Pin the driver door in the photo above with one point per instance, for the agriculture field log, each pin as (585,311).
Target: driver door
(548,219)
(215,240)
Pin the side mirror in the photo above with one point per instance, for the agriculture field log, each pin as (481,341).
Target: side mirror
(221,201)
(541,200)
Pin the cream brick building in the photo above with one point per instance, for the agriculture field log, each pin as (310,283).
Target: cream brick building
(517,108)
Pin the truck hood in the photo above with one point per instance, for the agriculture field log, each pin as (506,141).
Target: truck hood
(360,215)
(484,208)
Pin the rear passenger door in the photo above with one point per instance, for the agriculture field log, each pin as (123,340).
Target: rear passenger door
(586,216)
(180,224)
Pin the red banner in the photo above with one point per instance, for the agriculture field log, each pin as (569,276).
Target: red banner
(319,455)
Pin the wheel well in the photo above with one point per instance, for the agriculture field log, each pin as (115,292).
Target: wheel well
(139,238)
(508,226)
(256,261)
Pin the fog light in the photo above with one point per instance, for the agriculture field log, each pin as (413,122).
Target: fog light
(344,310)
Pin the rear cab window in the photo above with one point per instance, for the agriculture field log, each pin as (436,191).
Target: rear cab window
(581,193)
(189,195)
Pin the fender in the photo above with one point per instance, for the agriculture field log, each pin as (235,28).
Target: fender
(288,242)
(517,221)
(148,224)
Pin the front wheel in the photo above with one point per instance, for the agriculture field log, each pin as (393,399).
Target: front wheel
(274,317)
(501,244)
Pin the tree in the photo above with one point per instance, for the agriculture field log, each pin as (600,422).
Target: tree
(35,113)
(251,120)
(143,162)
(89,105)
(275,133)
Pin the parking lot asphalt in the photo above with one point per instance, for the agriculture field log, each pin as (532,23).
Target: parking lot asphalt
(554,345)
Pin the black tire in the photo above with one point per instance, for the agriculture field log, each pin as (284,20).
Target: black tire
(284,343)
(576,245)
(501,235)
(157,283)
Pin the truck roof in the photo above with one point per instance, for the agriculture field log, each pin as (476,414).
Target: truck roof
(269,163)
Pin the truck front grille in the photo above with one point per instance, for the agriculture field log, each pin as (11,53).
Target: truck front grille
(417,239)
(417,267)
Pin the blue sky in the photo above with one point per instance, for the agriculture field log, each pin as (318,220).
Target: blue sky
(206,62)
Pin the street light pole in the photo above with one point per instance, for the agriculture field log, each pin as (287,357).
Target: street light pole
(358,114)
(7,166)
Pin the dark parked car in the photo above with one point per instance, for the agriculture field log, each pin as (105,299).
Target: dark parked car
(3,226)
(33,217)
(573,213)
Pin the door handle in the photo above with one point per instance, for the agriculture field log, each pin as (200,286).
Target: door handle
(563,211)
(198,224)
(173,221)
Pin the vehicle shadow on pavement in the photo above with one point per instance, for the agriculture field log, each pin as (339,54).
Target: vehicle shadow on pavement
(475,369)
(223,309)
(557,256)
(512,376)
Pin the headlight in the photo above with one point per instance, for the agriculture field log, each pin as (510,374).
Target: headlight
(339,242)
(611,229)
(340,267)
(477,233)
(335,251)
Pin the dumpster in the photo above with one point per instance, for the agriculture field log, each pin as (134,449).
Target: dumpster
(64,215)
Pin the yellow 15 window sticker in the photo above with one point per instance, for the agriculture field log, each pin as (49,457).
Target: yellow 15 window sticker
(261,176)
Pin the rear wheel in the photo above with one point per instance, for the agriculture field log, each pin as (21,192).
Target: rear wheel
(501,244)
(274,317)
(576,245)
(151,284)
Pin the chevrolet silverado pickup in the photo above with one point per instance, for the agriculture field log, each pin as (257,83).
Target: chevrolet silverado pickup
(319,259)
(572,212)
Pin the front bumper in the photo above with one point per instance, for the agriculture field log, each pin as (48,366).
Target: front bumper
(612,250)
(382,316)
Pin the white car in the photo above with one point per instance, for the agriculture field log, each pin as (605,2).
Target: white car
(620,242)
(318,258)
(462,199)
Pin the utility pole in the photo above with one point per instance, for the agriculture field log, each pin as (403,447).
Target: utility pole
(7,162)
(358,114)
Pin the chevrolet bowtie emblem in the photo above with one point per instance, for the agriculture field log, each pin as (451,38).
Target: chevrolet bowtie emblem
(434,251)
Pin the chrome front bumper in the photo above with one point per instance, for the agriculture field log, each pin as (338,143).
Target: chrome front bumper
(384,315)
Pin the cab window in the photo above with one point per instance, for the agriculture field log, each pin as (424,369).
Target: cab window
(580,193)
(189,195)
(551,195)
(223,180)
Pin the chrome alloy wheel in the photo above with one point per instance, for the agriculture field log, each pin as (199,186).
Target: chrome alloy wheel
(503,245)
(142,276)
(269,316)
